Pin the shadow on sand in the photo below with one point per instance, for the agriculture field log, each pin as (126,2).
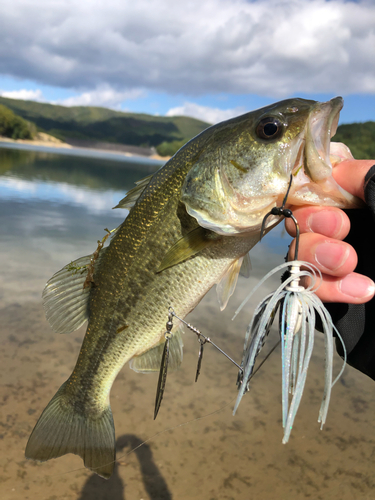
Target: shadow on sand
(114,488)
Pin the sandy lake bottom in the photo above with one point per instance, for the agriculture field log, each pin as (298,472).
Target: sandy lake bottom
(195,448)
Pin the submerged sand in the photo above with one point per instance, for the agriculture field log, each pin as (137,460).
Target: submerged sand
(206,453)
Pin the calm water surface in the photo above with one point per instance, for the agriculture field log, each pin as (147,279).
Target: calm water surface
(53,209)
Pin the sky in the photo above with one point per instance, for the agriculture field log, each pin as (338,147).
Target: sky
(210,59)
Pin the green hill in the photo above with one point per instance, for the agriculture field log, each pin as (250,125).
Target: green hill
(167,134)
(359,137)
(106,125)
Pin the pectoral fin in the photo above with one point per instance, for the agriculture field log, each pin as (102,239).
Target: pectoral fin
(192,243)
(245,270)
(150,360)
(228,282)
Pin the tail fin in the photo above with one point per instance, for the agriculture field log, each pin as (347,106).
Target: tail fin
(61,429)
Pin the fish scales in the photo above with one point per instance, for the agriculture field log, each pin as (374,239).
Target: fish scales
(117,288)
(142,301)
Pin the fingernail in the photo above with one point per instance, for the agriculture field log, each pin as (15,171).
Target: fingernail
(331,255)
(325,222)
(357,286)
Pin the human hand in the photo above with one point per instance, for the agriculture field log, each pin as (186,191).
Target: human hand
(322,231)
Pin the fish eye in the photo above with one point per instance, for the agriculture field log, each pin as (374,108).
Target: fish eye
(269,128)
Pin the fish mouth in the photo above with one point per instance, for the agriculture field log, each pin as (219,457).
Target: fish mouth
(313,183)
(321,127)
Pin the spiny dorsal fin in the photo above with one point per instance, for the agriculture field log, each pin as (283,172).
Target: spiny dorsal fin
(133,195)
(150,360)
(228,282)
(65,300)
(192,243)
(115,231)
(245,270)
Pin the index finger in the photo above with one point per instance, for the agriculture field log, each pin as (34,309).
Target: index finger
(350,174)
(329,221)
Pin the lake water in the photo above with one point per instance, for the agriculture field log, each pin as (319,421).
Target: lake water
(53,209)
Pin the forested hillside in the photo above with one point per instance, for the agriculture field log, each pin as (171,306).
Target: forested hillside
(106,125)
(166,134)
(359,137)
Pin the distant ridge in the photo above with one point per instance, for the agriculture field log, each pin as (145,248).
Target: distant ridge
(139,133)
(359,137)
(95,124)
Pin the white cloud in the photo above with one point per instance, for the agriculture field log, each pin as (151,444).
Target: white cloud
(104,95)
(24,94)
(205,113)
(266,47)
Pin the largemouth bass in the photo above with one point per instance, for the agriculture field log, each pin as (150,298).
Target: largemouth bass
(190,226)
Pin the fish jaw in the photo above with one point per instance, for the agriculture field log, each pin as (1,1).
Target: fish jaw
(313,182)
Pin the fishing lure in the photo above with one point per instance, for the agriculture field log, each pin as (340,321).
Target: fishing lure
(299,306)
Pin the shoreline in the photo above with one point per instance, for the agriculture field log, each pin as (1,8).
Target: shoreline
(53,145)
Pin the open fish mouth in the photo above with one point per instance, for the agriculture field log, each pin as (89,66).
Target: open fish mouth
(313,183)
(321,127)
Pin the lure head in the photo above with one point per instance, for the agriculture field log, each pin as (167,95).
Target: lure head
(245,167)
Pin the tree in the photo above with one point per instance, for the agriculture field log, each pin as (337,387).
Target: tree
(14,126)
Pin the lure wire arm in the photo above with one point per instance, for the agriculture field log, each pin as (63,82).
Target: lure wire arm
(206,339)
(202,340)
(287,213)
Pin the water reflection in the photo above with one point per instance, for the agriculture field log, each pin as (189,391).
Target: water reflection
(53,209)
(94,184)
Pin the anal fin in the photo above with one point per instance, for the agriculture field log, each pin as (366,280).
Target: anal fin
(150,360)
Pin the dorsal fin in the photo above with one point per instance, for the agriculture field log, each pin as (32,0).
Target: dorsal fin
(65,300)
(150,360)
(192,243)
(133,195)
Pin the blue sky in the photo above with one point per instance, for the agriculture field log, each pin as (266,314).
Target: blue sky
(212,60)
